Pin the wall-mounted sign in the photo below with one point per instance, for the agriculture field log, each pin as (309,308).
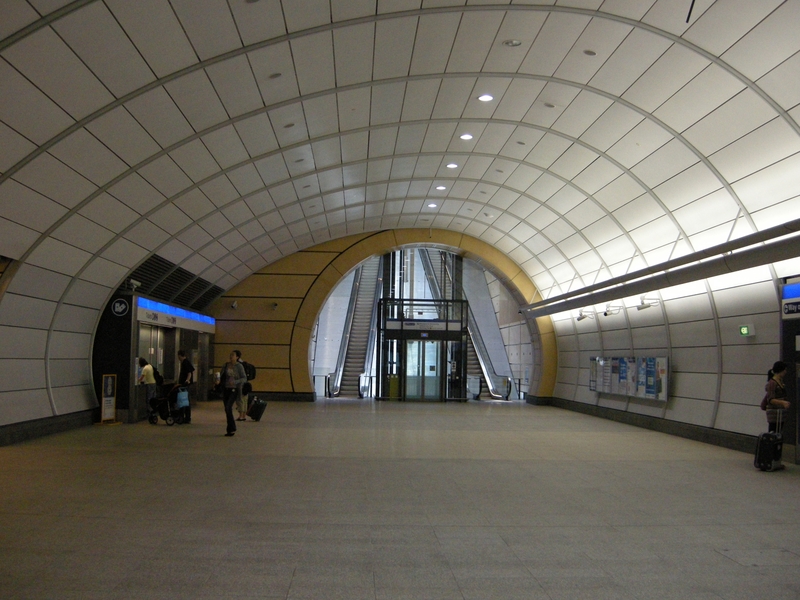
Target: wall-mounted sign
(747,330)
(790,301)
(109,404)
(166,315)
(640,377)
(120,307)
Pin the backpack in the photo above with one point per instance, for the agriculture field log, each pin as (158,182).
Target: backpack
(249,370)
(158,377)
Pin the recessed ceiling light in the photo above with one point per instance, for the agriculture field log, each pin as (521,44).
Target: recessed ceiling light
(466,136)
(275,75)
(299,160)
(431,205)
(521,143)
(512,43)
(485,98)
(440,187)
(452,166)
(499,170)
(487,215)
(549,105)
(590,53)
(305,187)
(288,126)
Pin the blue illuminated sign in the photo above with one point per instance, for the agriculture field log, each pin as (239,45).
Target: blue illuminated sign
(175,311)
(791,291)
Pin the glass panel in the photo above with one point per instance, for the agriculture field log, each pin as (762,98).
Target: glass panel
(431,376)
(414,365)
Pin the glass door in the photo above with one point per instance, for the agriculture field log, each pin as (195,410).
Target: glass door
(423,377)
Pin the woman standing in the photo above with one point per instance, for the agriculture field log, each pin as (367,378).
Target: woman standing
(774,400)
(149,380)
(234,377)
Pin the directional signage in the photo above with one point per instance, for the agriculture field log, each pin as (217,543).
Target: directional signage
(791,309)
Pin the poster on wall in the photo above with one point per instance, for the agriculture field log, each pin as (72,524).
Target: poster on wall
(639,377)
(109,404)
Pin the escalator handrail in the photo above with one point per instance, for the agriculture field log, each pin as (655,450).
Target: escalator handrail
(373,332)
(348,326)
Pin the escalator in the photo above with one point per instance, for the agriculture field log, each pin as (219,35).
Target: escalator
(354,356)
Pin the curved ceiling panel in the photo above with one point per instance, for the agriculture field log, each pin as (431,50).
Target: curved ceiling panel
(215,137)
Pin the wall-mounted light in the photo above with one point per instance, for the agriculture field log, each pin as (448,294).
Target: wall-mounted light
(235,304)
(274,306)
(645,303)
(584,314)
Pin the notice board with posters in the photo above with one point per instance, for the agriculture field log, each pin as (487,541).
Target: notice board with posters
(640,377)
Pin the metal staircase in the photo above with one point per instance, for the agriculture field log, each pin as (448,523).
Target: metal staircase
(355,361)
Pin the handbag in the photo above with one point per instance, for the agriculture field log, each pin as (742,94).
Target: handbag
(182,399)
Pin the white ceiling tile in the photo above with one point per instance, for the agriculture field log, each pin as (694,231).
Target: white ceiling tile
(574,160)
(109,212)
(258,21)
(216,224)
(211,30)
(313,60)
(382,142)
(213,252)
(584,214)
(737,117)
(770,186)
(148,235)
(454,94)
(234,83)
(237,213)
(353,109)
(24,206)
(601,231)
(581,113)
(195,160)
(16,15)
(565,199)
(52,178)
(220,190)
(769,43)
(781,84)
(83,233)
(256,135)
(63,77)
(394,45)
(196,264)
(644,139)
(616,250)
(156,32)
(619,192)
(305,14)
(137,193)
(288,123)
(197,100)
(118,130)
(548,150)
(174,251)
(97,38)
(517,100)
(104,272)
(713,210)
(601,36)
(638,212)
(272,169)
(630,60)
(59,257)
(353,64)
(767,145)
(476,33)
(159,115)
(27,110)
(89,157)
(420,99)
(195,237)
(517,25)
(695,182)
(125,253)
(246,179)
(355,147)
(667,161)
(171,219)
(15,147)
(194,203)
(164,175)
(598,174)
(273,68)
(558,34)
(611,126)
(226,146)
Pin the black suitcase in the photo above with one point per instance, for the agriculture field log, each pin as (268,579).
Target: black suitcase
(256,408)
(769,448)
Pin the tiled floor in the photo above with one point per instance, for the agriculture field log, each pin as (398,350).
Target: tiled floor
(388,501)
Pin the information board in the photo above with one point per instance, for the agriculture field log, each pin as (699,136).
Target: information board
(639,377)
(109,404)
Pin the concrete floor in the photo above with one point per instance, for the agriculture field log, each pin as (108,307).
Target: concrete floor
(362,500)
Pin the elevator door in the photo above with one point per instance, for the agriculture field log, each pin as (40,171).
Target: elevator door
(423,366)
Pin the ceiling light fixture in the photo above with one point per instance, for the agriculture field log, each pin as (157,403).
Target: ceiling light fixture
(431,205)
(466,136)
(288,126)
(549,105)
(275,75)
(452,166)
(512,43)
(485,98)
(590,53)
(440,187)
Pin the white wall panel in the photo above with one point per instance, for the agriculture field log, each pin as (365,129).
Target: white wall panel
(20,342)
(747,300)
(109,212)
(690,410)
(24,311)
(690,308)
(26,405)
(58,256)
(86,293)
(70,345)
(76,319)
(740,418)
(749,358)
(21,374)
(70,372)
(649,337)
(38,283)
(741,388)
(52,178)
(694,360)
(695,333)
(765,325)
(74,398)
(693,385)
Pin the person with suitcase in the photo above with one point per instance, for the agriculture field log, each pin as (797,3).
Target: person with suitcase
(769,446)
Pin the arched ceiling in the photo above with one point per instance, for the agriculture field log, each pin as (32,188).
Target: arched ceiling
(215,137)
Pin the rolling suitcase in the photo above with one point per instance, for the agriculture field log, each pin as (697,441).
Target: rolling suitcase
(256,408)
(769,448)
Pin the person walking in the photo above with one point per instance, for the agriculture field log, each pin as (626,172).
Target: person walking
(234,377)
(774,401)
(241,402)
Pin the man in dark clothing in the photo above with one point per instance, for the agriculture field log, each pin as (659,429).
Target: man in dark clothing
(185,379)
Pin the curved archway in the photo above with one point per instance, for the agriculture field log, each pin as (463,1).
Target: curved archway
(276,308)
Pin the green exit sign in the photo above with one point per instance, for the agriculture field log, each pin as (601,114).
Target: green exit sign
(746,330)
